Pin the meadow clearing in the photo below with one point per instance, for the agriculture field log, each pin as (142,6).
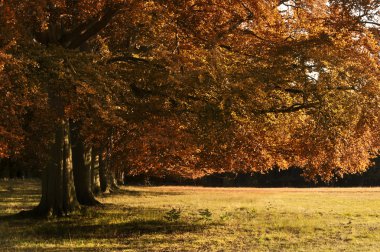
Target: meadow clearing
(172,218)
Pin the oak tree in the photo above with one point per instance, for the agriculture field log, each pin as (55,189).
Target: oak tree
(187,88)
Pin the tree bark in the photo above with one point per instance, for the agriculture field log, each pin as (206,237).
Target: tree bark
(104,186)
(112,180)
(106,175)
(95,181)
(110,172)
(82,170)
(120,178)
(58,191)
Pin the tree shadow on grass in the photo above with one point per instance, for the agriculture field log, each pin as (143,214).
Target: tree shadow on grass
(19,196)
(140,193)
(114,230)
(107,222)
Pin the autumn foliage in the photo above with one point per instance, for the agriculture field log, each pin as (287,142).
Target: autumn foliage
(194,87)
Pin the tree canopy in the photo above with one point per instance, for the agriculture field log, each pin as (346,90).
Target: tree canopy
(200,86)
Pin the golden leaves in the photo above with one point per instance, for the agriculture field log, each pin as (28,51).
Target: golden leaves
(84,88)
(209,85)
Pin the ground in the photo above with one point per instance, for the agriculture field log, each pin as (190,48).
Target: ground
(198,219)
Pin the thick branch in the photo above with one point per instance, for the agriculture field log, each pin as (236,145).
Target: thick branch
(293,108)
(92,28)
(371,23)
(221,35)
(68,37)
(134,60)
(127,59)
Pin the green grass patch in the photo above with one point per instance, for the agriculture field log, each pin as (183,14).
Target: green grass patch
(198,219)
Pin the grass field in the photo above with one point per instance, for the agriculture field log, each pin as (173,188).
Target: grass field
(199,219)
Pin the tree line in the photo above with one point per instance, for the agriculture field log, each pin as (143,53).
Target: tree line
(186,88)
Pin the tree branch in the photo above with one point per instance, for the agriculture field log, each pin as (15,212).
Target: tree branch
(371,23)
(134,60)
(293,108)
(92,28)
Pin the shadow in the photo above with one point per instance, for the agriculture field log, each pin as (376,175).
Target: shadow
(19,191)
(18,194)
(12,217)
(98,223)
(108,221)
(113,231)
(140,193)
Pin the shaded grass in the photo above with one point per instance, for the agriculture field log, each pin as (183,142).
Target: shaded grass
(210,219)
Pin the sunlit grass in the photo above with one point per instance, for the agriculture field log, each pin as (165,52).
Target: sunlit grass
(207,219)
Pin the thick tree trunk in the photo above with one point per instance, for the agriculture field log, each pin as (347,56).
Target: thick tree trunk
(58,192)
(82,170)
(95,181)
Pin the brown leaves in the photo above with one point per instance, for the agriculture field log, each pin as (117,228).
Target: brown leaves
(189,87)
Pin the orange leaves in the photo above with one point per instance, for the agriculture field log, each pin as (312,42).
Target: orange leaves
(84,88)
(11,110)
(190,87)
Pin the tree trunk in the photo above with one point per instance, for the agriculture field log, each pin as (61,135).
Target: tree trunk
(112,180)
(110,172)
(58,192)
(120,178)
(82,170)
(106,174)
(104,186)
(95,182)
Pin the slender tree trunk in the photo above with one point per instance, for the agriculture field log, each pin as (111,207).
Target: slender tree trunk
(82,170)
(110,172)
(95,181)
(120,177)
(112,180)
(58,192)
(104,186)
(107,174)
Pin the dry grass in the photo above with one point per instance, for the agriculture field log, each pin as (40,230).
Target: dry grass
(204,219)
